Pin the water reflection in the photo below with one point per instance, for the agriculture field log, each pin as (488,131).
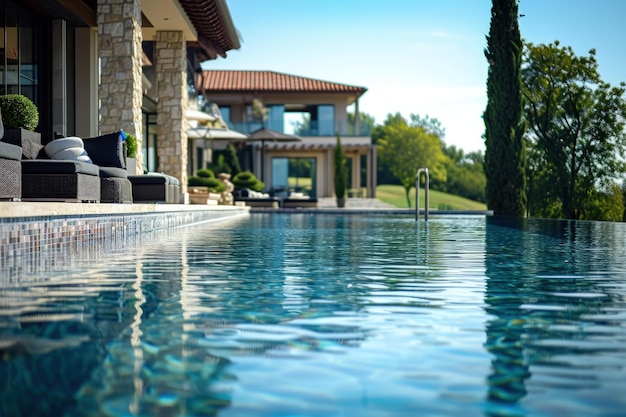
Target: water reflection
(552,292)
(346,314)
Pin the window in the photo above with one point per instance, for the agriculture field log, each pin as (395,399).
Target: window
(294,175)
(326,120)
(275,117)
(225,112)
(149,148)
(18,52)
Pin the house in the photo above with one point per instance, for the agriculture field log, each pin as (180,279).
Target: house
(98,66)
(314,110)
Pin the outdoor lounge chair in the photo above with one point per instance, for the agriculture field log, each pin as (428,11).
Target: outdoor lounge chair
(102,155)
(50,180)
(10,172)
(255,199)
(107,151)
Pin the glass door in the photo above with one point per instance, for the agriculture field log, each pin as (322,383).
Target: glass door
(294,175)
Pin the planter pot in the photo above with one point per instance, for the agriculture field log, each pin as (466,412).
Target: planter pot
(17,136)
(131,166)
(341,202)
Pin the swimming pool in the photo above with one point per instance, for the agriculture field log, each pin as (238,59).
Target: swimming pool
(322,315)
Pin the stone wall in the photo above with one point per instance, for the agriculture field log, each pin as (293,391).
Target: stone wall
(120,53)
(171,69)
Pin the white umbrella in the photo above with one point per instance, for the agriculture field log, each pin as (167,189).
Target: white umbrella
(268,135)
(204,132)
(199,116)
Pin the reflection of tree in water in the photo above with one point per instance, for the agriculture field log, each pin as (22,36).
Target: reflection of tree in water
(540,278)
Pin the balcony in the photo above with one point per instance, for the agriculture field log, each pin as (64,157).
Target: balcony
(308,129)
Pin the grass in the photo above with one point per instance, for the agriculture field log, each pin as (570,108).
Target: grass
(394,195)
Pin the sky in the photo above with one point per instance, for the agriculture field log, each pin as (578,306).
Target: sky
(423,57)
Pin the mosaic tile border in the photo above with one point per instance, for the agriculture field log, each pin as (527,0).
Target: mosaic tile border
(22,236)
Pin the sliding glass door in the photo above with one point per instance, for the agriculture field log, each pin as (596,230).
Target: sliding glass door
(294,175)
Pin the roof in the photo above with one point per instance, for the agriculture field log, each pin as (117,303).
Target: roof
(213,22)
(270,81)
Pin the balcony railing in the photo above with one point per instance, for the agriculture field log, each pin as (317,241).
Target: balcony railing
(344,128)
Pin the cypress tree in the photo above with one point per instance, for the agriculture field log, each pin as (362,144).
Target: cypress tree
(505,157)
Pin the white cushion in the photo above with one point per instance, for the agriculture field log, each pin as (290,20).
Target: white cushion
(68,153)
(63,143)
(83,157)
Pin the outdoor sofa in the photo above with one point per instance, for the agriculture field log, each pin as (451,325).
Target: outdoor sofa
(255,199)
(72,169)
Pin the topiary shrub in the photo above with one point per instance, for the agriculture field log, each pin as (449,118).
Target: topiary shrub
(247,179)
(19,112)
(205,173)
(213,184)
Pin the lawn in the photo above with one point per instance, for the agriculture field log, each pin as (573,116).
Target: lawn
(394,195)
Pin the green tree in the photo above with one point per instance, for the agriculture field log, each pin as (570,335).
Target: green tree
(577,136)
(366,123)
(465,174)
(429,124)
(341,170)
(403,149)
(504,130)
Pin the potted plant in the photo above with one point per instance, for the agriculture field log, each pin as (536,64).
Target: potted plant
(130,144)
(20,118)
(341,174)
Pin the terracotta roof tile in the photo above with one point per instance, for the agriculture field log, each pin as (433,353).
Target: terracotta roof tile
(270,81)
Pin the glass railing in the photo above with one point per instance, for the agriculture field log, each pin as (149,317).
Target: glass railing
(344,128)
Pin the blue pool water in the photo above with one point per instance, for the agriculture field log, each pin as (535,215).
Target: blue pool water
(321,315)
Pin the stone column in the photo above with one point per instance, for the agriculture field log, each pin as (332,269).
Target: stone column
(120,53)
(171,70)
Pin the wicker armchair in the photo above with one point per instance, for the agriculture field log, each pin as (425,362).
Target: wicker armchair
(10,172)
(69,181)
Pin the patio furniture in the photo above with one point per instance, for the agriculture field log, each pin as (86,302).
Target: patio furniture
(104,153)
(255,199)
(107,151)
(299,202)
(155,188)
(10,172)
(60,180)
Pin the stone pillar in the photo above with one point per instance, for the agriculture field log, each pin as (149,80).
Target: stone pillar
(120,53)
(171,70)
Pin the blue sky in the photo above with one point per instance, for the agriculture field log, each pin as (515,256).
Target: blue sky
(414,56)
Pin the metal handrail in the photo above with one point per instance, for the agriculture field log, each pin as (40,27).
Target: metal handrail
(417,193)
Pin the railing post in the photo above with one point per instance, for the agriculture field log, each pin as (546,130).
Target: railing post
(417,193)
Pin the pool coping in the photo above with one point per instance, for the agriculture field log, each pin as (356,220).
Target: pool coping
(27,228)
(371,210)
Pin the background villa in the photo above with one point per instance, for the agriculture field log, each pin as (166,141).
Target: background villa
(321,110)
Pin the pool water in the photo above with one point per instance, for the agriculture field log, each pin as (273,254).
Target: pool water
(322,315)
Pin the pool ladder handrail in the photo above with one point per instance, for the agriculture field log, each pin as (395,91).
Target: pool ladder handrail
(417,193)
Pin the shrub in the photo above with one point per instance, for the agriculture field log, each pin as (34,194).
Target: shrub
(214,184)
(247,179)
(18,112)
(205,173)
